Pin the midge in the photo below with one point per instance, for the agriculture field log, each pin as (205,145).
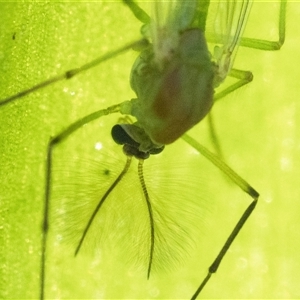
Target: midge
(174,78)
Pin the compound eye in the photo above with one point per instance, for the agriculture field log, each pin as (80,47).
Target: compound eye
(121,136)
(135,141)
(156,150)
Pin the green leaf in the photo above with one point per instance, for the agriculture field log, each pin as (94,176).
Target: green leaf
(257,127)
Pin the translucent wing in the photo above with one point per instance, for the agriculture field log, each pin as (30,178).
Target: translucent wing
(224,26)
(167,21)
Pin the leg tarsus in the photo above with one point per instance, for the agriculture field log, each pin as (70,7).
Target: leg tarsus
(45,225)
(202,285)
(215,265)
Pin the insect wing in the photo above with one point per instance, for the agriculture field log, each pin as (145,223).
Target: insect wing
(224,27)
(168,20)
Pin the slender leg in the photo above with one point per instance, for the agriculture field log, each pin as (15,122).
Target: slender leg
(270,45)
(54,141)
(244,186)
(71,73)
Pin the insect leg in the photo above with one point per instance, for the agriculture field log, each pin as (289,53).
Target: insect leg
(269,45)
(53,142)
(244,186)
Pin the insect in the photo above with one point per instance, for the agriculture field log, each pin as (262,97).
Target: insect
(190,141)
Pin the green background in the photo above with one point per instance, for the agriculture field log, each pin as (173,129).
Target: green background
(257,126)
